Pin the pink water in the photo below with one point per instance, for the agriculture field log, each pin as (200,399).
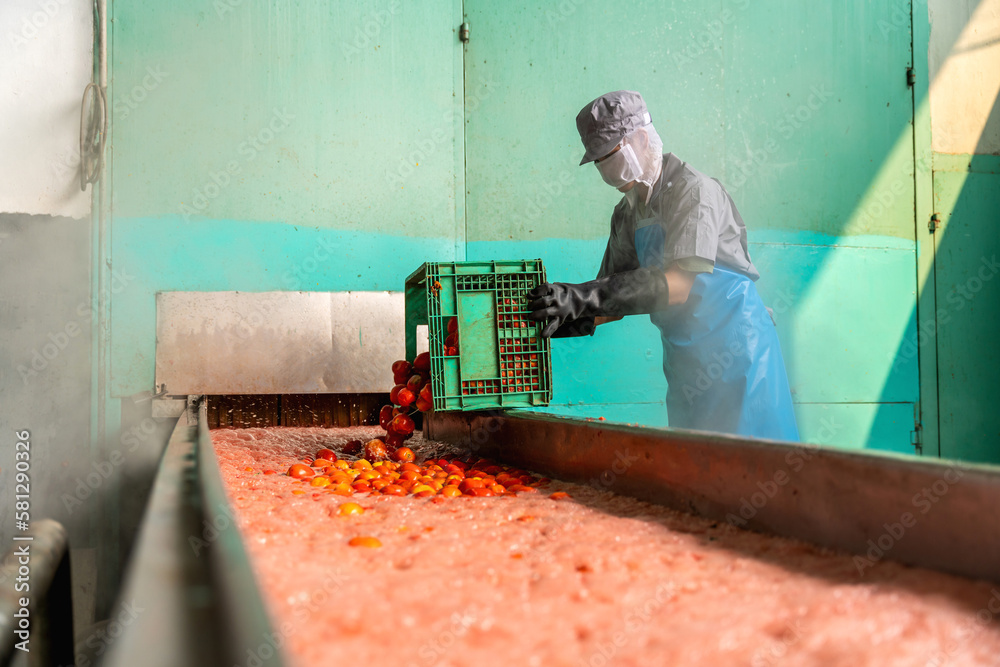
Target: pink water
(595,580)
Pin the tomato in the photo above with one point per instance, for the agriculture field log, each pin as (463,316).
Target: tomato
(409,466)
(497,489)
(341,489)
(320,481)
(394,440)
(410,475)
(402,424)
(369,542)
(393,490)
(401,366)
(375,450)
(270,472)
(422,405)
(423,494)
(450,492)
(379,483)
(415,383)
(361,464)
(405,397)
(350,509)
(385,416)
(467,484)
(361,487)
(451,351)
(451,340)
(481,492)
(559,495)
(352,447)
(453,325)
(403,454)
(394,393)
(521,488)
(422,362)
(300,471)
(326,455)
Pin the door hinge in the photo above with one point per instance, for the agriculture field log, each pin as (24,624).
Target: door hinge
(463,32)
(934,223)
(917,438)
(911,77)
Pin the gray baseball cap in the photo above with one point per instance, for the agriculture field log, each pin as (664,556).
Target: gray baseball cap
(607,120)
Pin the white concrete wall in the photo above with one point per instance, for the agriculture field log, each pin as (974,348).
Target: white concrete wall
(46,60)
(964,63)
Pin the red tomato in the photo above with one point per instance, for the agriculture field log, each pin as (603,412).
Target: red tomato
(361,487)
(451,351)
(409,466)
(403,454)
(300,471)
(402,424)
(353,446)
(451,340)
(326,454)
(467,484)
(270,472)
(453,325)
(414,383)
(394,440)
(394,394)
(482,492)
(385,416)
(422,362)
(405,397)
(375,450)
(426,393)
(393,490)
(423,405)
(559,495)
(521,488)
(450,491)
(401,366)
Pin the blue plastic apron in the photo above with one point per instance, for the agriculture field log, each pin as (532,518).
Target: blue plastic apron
(721,355)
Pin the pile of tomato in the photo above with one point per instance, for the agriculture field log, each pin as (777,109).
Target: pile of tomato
(447,478)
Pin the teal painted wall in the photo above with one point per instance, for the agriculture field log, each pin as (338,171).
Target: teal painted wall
(967,283)
(802,110)
(301,145)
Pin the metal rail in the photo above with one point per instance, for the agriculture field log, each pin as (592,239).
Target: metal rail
(47,621)
(190,577)
(931,513)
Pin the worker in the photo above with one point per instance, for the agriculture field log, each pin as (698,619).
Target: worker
(677,252)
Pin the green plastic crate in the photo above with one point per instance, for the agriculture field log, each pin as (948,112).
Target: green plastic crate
(503,361)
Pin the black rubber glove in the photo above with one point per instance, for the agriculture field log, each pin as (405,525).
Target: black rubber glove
(628,293)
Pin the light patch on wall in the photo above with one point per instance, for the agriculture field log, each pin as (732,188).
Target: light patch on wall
(47,51)
(964,64)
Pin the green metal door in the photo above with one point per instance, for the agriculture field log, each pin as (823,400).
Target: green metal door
(803,111)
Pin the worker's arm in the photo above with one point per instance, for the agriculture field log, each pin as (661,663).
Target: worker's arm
(679,283)
(572,309)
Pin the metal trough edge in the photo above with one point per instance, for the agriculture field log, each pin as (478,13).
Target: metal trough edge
(189,579)
(930,513)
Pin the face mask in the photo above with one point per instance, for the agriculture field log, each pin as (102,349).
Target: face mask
(621,168)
